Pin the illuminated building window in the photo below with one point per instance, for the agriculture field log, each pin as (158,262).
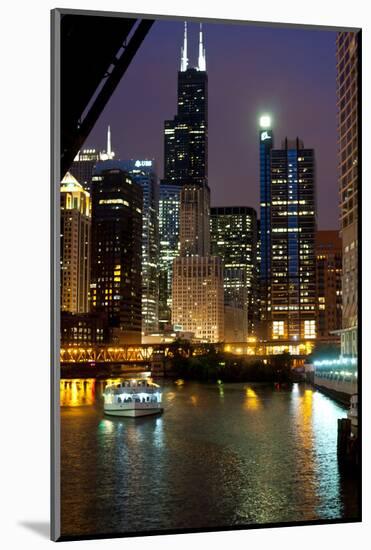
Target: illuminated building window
(278,329)
(309,329)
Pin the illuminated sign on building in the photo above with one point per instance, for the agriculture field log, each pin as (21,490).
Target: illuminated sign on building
(265,135)
(139,163)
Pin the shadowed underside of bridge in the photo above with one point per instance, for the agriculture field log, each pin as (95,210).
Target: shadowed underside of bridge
(95,54)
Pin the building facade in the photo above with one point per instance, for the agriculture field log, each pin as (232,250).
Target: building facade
(84,329)
(234,238)
(83,165)
(195,220)
(143,172)
(198,297)
(116,282)
(75,245)
(265,147)
(293,231)
(288,229)
(169,221)
(329,275)
(348,74)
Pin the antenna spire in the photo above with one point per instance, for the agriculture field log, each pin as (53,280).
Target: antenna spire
(201,53)
(109,150)
(184,58)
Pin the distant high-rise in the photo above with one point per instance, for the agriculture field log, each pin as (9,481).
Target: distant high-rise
(169,218)
(198,297)
(86,159)
(197,283)
(75,246)
(265,147)
(329,271)
(143,173)
(116,283)
(347,50)
(293,230)
(288,227)
(234,238)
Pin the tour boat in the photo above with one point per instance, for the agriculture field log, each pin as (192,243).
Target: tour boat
(353,413)
(133,397)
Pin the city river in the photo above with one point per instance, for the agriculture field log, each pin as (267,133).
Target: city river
(220,456)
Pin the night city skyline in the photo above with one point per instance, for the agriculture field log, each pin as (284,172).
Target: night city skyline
(306,108)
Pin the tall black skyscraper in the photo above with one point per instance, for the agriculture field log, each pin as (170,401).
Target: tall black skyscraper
(116,282)
(185,150)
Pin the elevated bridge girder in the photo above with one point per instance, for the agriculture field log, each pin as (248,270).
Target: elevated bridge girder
(145,353)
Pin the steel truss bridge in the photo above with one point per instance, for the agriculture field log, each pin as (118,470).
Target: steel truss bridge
(141,353)
(146,353)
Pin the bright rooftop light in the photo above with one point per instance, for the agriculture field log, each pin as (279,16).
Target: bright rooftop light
(265,121)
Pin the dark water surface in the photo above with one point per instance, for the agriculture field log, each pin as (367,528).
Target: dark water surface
(220,455)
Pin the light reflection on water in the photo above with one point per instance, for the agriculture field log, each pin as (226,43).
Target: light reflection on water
(220,455)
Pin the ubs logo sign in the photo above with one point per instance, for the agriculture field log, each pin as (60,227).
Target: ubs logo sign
(139,163)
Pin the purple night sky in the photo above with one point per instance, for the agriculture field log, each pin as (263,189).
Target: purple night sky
(289,73)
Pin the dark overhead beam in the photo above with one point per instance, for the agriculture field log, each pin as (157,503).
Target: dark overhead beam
(74,132)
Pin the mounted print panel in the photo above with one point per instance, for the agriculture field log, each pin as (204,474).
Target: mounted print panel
(205,232)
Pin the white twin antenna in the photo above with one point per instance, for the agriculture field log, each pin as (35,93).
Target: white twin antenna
(201,53)
(184,58)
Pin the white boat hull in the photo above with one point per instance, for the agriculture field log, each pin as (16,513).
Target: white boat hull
(132,410)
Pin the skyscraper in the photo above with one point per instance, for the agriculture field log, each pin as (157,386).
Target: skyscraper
(185,171)
(169,218)
(116,283)
(197,285)
(329,274)
(86,159)
(347,49)
(143,173)
(288,227)
(234,238)
(75,246)
(293,229)
(185,147)
(265,147)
